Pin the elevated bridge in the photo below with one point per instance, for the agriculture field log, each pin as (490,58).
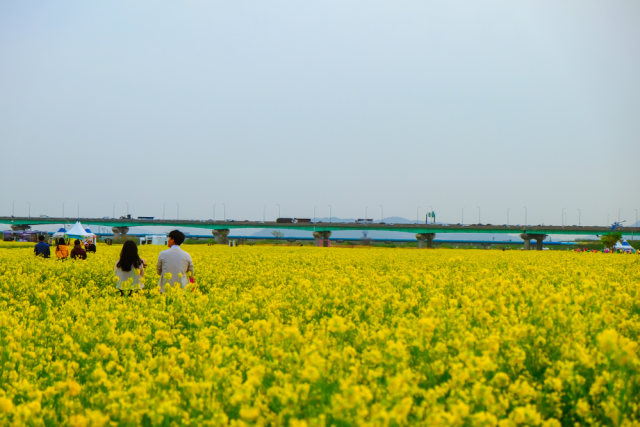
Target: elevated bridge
(322,230)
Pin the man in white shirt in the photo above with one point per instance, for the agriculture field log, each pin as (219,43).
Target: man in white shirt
(174,261)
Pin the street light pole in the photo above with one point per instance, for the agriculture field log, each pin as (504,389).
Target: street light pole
(563,214)
(579,218)
(507,216)
(29,203)
(330,214)
(381,214)
(314,213)
(479,222)
(224,211)
(278,205)
(525,215)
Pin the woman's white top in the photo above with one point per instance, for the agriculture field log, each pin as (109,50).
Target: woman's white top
(135,274)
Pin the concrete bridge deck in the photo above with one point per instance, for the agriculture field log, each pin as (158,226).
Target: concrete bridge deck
(328,226)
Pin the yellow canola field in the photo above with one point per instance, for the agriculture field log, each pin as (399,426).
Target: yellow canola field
(323,336)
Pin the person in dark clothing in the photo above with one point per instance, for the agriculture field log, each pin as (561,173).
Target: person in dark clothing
(89,246)
(42,248)
(77,251)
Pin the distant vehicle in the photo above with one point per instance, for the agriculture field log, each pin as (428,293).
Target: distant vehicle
(364,221)
(44,216)
(150,218)
(284,220)
(305,220)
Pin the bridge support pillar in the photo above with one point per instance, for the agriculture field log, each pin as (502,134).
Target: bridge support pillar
(537,237)
(119,231)
(322,238)
(425,236)
(221,235)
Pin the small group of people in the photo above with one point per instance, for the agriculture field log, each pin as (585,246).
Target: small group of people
(174,265)
(62,249)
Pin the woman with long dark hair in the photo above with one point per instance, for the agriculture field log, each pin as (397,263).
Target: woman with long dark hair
(78,252)
(129,268)
(62,250)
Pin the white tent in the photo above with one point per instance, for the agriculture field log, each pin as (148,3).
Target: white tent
(624,246)
(78,232)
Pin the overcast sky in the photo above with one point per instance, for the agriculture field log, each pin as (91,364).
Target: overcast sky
(468,108)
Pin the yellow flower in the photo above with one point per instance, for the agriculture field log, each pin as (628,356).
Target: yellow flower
(249,413)
(73,388)
(6,405)
(608,341)
(78,420)
(501,379)
(583,408)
